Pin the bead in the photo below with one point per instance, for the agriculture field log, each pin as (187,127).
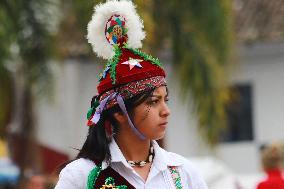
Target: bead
(150,158)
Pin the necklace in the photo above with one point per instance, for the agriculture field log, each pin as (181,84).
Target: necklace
(143,163)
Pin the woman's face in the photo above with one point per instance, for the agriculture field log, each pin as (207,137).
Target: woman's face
(151,117)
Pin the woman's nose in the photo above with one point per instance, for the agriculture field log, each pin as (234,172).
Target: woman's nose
(165,112)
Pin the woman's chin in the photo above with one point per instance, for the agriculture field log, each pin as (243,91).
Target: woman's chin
(159,136)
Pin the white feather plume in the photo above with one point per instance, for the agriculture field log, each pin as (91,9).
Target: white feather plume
(96,27)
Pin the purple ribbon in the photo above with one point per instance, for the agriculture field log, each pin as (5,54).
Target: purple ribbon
(101,107)
(121,104)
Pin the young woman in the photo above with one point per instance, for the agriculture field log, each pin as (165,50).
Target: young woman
(129,113)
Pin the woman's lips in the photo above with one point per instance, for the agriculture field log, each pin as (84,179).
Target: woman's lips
(164,124)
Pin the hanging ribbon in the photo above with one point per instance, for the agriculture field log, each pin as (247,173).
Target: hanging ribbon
(96,117)
(123,108)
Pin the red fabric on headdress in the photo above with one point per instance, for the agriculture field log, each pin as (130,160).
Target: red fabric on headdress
(125,75)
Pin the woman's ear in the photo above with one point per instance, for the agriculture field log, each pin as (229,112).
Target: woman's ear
(120,117)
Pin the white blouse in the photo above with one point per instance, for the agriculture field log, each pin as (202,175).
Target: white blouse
(75,174)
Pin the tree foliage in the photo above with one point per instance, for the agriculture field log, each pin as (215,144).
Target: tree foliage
(25,48)
(201,37)
(5,78)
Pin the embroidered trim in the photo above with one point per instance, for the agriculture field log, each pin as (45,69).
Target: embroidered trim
(133,88)
(113,62)
(93,175)
(175,176)
(110,183)
(146,57)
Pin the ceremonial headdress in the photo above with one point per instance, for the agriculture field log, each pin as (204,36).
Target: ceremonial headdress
(115,33)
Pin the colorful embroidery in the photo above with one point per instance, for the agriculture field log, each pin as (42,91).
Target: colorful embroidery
(176,177)
(133,88)
(115,31)
(110,183)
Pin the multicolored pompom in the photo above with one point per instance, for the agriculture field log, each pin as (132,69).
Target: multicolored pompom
(115,31)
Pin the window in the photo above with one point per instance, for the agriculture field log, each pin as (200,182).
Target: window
(239,115)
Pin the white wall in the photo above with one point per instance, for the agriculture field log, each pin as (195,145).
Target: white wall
(62,119)
(261,65)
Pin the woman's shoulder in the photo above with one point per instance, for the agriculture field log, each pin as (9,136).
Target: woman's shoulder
(189,170)
(174,158)
(80,164)
(182,161)
(79,168)
(75,174)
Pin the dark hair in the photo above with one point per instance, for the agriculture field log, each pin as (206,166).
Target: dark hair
(96,145)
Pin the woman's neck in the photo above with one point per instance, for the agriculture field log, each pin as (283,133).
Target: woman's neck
(132,147)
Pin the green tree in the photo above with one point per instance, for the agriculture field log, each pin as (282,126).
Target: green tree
(24,51)
(5,78)
(201,35)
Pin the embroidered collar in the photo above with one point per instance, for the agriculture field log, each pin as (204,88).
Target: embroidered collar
(163,158)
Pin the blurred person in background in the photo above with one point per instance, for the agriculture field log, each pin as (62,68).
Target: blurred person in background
(129,113)
(36,182)
(272,163)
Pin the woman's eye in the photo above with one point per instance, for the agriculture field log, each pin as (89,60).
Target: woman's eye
(155,101)
(167,100)
(152,102)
